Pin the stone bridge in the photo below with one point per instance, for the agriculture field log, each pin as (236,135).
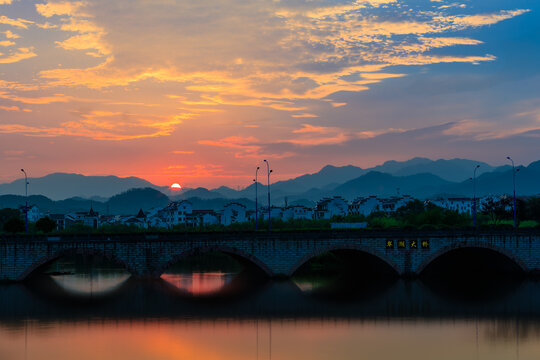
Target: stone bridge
(278,253)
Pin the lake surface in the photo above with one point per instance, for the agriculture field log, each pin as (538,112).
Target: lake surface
(74,311)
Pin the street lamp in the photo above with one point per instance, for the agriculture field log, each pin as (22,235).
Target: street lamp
(514,182)
(474,193)
(256,200)
(26,196)
(268,172)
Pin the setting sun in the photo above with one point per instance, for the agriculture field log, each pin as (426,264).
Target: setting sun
(176,186)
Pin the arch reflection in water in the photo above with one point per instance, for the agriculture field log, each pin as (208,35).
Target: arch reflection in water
(350,274)
(210,273)
(86,275)
(199,283)
(472,274)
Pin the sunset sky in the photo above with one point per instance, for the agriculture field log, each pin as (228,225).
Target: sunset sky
(199,92)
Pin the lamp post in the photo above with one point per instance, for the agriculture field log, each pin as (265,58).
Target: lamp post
(514,183)
(474,193)
(268,172)
(26,196)
(256,200)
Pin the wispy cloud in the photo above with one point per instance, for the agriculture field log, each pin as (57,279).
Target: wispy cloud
(18,55)
(103,125)
(19,23)
(36,100)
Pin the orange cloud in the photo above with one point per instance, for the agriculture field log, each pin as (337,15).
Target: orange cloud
(11,35)
(6,43)
(20,23)
(307,128)
(10,108)
(310,135)
(464,21)
(60,8)
(47,26)
(104,125)
(18,55)
(86,42)
(199,171)
(244,147)
(36,101)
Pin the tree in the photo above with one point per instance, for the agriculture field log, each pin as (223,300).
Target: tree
(7,214)
(533,209)
(46,225)
(497,209)
(14,225)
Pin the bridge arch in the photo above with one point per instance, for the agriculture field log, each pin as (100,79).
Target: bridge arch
(471,245)
(70,252)
(367,250)
(233,251)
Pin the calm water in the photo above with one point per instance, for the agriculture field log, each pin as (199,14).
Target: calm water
(74,311)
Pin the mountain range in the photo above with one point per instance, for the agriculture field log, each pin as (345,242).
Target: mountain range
(418,177)
(60,186)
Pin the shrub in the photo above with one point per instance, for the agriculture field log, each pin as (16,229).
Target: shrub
(45,225)
(14,225)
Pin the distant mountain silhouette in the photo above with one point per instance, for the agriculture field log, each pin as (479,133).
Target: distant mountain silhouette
(419,177)
(59,186)
(450,170)
(50,206)
(380,184)
(501,182)
(203,193)
(127,202)
(328,175)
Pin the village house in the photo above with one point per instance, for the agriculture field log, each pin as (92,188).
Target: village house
(297,212)
(461,205)
(233,213)
(203,218)
(176,213)
(365,206)
(330,207)
(276,213)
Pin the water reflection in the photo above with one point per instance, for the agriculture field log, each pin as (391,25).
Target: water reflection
(283,339)
(200,283)
(93,284)
(81,276)
(147,320)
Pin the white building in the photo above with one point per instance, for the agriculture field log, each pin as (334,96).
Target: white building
(33,213)
(365,206)
(276,213)
(176,213)
(297,212)
(203,218)
(233,213)
(138,220)
(390,205)
(461,205)
(330,207)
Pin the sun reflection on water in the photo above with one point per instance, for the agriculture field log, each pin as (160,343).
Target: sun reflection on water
(199,283)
